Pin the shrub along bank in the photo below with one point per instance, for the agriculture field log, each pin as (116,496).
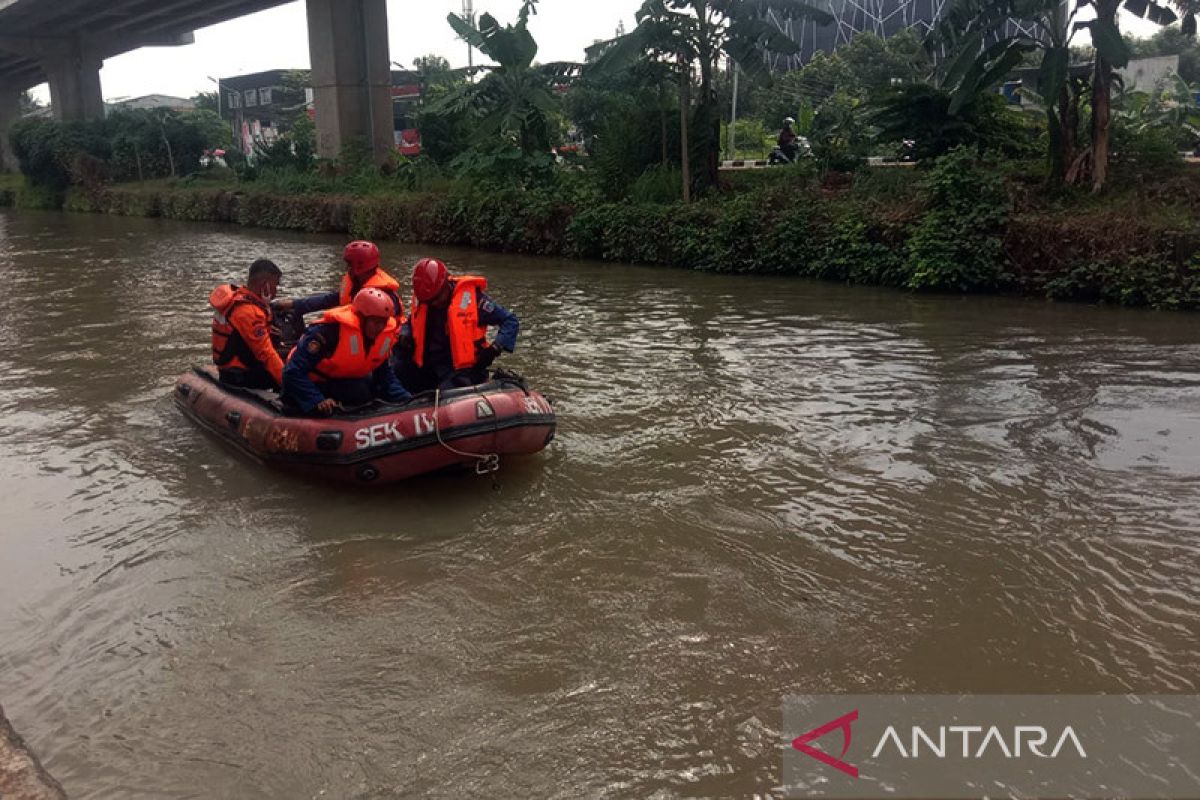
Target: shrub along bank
(965,225)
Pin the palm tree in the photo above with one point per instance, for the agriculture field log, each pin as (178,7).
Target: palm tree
(515,98)
(697,34)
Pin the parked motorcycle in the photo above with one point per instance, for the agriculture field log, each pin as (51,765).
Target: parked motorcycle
(791,155)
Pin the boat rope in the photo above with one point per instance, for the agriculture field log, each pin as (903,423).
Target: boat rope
(485,463)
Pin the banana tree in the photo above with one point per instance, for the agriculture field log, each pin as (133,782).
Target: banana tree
(1111,54)
(986,39)
(697,35)
(1170,107)
(515,99)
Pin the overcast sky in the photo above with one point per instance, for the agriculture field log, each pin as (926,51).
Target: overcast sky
(277,38)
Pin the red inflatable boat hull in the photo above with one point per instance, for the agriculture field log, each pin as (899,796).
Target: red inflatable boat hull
(385,444)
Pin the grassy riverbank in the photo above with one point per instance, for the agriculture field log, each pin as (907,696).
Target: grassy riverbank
(10,185)
(964,225)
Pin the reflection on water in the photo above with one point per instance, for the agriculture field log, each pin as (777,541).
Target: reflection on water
(760,486)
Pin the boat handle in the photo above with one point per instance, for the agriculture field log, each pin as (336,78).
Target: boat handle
(329,440)
(234,418)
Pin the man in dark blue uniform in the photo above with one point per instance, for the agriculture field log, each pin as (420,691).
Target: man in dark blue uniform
(344,359)
(444,343)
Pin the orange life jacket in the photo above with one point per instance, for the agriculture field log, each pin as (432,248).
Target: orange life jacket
(462,323)
(351,359)
(378,280)
(229,349)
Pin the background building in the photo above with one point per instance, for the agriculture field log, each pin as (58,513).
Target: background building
(257,105)
(883,18)
(260,105)
(1139,75)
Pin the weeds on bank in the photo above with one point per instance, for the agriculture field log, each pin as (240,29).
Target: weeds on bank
(966,223)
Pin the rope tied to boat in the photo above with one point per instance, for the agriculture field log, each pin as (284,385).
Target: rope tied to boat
(485,463)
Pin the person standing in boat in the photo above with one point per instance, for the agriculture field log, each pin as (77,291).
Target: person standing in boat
(342,359)
(362,272)
(241,330)
(444,344)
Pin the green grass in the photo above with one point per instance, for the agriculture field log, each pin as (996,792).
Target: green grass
(11,184)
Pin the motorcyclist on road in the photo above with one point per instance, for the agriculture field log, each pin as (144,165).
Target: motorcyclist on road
(788,142)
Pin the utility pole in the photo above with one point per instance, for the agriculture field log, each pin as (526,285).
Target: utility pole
(236,134)
(468,16)
(685,102)
(733,118)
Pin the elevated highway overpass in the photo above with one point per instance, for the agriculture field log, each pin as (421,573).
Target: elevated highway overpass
(65,42)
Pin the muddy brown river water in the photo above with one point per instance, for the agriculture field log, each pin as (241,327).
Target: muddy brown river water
(760,486)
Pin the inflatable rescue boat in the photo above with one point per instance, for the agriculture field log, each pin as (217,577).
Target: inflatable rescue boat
(380,443)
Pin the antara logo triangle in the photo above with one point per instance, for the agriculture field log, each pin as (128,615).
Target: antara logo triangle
(842,723)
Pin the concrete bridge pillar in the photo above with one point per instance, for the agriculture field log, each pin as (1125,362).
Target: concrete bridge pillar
(75,85)
(10,110)
(351,75)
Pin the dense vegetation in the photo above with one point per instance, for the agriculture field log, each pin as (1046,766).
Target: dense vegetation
(968,223)
(127,145)
(998,202)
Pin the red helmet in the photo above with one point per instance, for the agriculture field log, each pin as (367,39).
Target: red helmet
(428,278)
(361,257)
(372,302)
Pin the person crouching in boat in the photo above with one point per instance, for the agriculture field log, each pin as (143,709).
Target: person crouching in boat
(444,344)
(241,330)
(342,359)
(362,272)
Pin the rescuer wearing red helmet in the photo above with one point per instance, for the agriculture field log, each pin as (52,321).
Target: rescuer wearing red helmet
(241,330)
(444,344)
(362,272)
(343,357)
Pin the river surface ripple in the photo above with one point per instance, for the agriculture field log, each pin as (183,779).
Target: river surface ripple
(761,486)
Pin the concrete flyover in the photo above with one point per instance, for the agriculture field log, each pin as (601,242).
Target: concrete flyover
(65,42)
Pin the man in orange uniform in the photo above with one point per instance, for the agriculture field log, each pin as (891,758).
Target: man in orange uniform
(444,344)
(343,358)
(362,272)
(241,330)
